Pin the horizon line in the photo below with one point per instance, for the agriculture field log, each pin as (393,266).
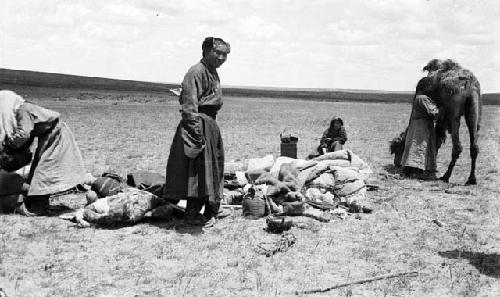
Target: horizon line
(275,88)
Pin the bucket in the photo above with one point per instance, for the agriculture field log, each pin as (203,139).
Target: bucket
(289,149)
(288,146)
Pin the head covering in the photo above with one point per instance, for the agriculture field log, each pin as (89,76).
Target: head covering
(209,43)
(425,85)
(9,104)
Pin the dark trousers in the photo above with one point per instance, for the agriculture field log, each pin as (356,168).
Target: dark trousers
(194,205)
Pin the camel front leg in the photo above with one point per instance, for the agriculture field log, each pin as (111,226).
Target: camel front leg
(457,147)
(472,117)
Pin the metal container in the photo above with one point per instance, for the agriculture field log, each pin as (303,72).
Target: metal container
(288,146)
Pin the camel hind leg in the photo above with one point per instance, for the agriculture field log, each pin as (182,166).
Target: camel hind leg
(457,147)
(472,118)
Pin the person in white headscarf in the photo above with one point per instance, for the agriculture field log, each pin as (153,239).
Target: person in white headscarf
(9,104)
(56,165)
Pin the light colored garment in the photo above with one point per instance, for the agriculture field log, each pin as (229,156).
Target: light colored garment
(420,144)
(128,206)
(57,164)
(9,103)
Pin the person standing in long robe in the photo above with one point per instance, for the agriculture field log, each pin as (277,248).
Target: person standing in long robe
(195,168)
(57,164)
(420,152)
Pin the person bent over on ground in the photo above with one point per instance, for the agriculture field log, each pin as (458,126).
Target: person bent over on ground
(195,168)
(419,157)
(56,164)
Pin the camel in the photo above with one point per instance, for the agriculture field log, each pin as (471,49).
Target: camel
(458,92)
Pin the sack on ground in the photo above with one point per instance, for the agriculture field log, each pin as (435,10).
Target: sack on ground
(343,175)
(128,206)
(325,180)
(357,198)
(338,155)
(253,207)
(293,208)
(348,188)
(106,186)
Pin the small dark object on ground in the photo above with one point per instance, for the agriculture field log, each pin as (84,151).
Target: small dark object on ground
(253,208)
(370,187)
(438,223)
(278,224)
(366,209)
(296,208)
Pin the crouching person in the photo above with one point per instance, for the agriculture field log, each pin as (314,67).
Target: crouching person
(333,139)
(56,164)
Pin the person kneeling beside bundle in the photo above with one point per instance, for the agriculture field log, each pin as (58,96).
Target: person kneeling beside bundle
(56,165)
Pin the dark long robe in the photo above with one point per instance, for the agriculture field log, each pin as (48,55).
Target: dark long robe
(57,164)
(195,168)
(420,143)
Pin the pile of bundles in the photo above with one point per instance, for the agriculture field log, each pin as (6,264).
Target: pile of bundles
(331,183)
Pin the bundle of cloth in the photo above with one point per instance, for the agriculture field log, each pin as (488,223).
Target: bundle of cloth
(130,205)
(110,200)
(327,180)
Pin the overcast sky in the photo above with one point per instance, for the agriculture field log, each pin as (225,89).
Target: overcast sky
(352,44)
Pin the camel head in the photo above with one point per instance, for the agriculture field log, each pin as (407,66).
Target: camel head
(448,65)
(449,78)
(433,65)
(441,66)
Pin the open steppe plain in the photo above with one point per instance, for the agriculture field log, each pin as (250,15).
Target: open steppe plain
(123,132)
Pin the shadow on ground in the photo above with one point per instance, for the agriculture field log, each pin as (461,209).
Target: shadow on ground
(487,264)
(177,225)
(390,168)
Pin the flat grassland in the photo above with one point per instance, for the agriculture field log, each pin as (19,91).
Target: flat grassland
(47,256)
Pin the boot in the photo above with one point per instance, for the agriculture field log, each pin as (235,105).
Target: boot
(39,205)
(21,207)
(22,210)
(192,215)
(428,175)
(210,214)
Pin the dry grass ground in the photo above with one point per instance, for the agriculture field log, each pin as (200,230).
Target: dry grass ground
(50,257)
